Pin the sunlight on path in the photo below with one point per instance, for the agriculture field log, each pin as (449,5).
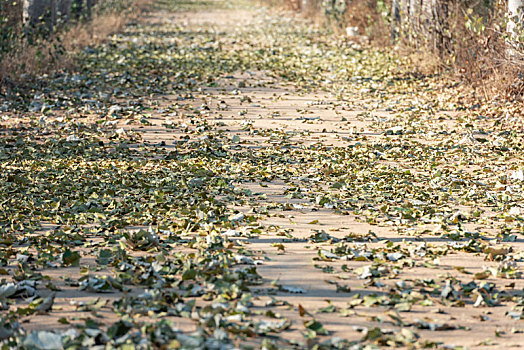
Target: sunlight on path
(222,176)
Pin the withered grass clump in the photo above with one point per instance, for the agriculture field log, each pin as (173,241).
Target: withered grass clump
(479,52)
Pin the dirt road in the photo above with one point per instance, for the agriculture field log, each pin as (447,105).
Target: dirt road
(286,188)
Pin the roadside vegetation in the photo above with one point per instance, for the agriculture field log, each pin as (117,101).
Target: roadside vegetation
(477,41)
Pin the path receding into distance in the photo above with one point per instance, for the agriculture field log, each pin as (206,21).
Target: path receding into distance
(224,169)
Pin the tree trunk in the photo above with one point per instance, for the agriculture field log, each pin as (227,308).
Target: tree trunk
(399,19)
(412,24)
(52,9)
(423,22)
(427,23)
(515,17)
(396,21)
(440,9)
(90,4)
(63,10)
(36,12)
(82,8)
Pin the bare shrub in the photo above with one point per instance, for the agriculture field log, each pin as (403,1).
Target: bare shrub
(368,16)
(479,53)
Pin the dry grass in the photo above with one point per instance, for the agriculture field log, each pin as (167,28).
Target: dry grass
(360,13)
(475,54)
(364,15)
(312,11)
(48,56)
(478,58)
(481,59)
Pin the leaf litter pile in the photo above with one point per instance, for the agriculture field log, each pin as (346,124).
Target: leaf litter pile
(219,177)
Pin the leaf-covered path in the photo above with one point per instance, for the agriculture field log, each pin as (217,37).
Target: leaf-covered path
(220,176)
